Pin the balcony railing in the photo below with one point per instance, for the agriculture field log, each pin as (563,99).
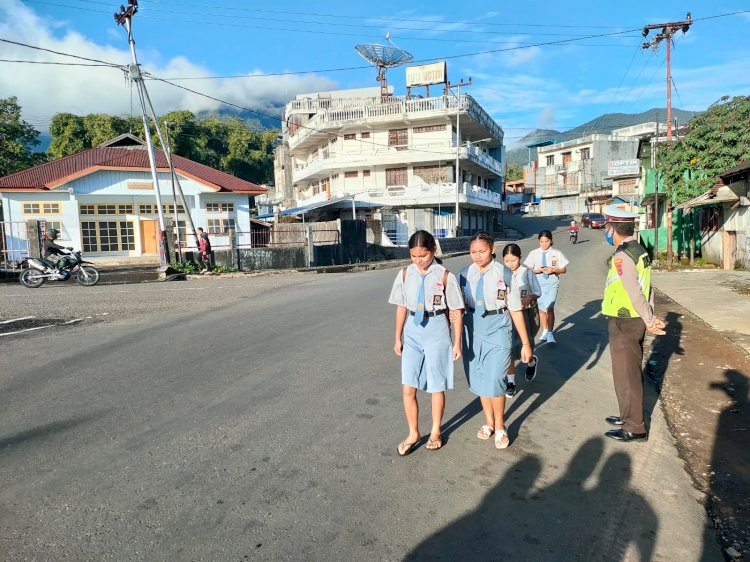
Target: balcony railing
(336,112)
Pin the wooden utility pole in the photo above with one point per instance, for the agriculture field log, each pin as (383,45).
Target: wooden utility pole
(667,31)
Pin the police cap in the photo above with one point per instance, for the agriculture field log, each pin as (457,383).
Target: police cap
(616,214)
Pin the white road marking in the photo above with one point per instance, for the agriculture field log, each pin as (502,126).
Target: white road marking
(17,319)
(26,330)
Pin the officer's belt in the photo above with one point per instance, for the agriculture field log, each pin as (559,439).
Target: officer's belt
(490,312)
(429,314)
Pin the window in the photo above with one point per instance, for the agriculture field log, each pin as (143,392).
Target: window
(353,174)
(432,174)
(365,135)
(333,140)
(125,209)
(551,160)
(107,236)
(365,173)
(395,176)
(220,226)
(709,218)
(398,138)
(627,186)
(147,209)
(57,225)
(350,136)
(429,128)
(567,158)
(585,153)
(41,208)
(87,209)
(106,209)
(214,207)
(169,209)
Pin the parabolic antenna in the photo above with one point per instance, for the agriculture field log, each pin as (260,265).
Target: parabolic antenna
(384,56)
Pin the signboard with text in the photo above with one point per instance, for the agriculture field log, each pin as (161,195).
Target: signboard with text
(617,168)
(426,74)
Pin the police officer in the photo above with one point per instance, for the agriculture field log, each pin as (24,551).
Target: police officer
(628,305)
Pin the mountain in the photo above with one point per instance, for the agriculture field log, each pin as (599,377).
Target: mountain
(603,124)
(265,119)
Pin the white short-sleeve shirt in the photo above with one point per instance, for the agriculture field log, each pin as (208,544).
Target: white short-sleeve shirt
(494,286)
(405,292)
(524,282)
(555,258)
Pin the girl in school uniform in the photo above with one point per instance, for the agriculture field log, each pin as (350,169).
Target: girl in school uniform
(524,291)
(424,293)
(548,263)
(488,318)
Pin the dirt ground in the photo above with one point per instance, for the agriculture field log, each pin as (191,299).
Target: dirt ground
(704,380)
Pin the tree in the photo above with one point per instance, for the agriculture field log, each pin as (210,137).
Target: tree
(514,171)
(16,139)
(717,139)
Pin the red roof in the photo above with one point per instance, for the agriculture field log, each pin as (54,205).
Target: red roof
(52,174)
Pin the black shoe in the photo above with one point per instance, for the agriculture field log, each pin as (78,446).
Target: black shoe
(622,435)
(614,420)
(531,369)
(510,391)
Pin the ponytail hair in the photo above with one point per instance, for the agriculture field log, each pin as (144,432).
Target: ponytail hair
(486,237)
(424,239)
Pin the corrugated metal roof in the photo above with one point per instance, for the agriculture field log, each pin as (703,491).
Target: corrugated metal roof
(50,174)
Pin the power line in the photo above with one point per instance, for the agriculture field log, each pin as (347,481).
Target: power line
(105,63)
(58,63)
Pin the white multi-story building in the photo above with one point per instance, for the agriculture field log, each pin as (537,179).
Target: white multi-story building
(396,158)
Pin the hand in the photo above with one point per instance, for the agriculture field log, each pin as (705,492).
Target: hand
(656,327)
(527,301)
(457,352)
(398,347)
(455,315)
(526,354)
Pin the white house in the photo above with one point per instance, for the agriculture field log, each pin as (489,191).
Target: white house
(102,200)
(396,157)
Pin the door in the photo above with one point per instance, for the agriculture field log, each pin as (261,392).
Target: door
(149,240)
(730,249)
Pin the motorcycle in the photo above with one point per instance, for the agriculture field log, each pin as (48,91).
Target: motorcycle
(573,235)
(37,271)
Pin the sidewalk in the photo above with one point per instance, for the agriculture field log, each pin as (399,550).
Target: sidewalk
(702,366)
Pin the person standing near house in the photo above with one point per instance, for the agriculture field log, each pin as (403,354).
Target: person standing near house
(490,315)
(204,250)
(424,292)
(548,263)
(628,305)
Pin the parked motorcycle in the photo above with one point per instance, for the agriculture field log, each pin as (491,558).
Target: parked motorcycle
(37,271)
(573,234)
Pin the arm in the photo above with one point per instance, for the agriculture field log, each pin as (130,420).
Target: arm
(520,324)
(398,343)
(458,327)
(628,273)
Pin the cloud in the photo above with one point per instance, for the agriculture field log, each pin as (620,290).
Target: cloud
(43,90)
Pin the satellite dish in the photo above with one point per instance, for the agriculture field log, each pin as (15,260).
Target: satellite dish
(384,56)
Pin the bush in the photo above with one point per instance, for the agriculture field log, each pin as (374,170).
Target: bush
(184,267)
(223,269)
(739,265)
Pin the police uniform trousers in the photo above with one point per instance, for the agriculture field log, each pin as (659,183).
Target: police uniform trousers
(626,349)
(487,348)
(427,356)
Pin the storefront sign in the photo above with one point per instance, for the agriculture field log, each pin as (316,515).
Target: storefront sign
(617,168)
(426,74)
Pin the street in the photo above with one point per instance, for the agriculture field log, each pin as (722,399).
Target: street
(257,417)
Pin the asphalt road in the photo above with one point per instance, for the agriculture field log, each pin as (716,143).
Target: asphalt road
(258,417)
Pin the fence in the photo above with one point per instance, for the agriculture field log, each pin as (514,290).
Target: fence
(14,244)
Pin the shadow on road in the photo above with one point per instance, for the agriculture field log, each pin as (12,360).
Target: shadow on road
(570,519)
(42,432)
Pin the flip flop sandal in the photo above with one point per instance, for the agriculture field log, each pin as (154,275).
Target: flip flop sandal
(434,444)
(405,448)
(501,439)
(485,432)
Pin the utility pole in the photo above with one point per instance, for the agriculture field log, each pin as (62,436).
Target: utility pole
(667,31)
(656,191)
(458,149)
(125,18)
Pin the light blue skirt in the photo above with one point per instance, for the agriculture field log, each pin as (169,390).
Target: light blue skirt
(548,298)
(427,357)
(487,348)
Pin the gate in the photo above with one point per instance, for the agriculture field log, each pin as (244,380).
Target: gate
(14,244)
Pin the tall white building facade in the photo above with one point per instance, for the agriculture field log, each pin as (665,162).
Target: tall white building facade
(396,158)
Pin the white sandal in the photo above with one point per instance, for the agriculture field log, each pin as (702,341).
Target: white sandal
(485,432)
(501,439)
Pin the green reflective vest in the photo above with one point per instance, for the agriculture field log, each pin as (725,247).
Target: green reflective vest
(616,302)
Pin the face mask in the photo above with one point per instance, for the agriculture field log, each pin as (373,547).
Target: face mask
(609,235)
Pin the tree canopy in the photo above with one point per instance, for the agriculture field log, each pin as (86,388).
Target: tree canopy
(225,143)
(17,137)
(717,140)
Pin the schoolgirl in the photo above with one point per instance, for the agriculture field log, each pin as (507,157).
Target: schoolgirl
(424,292)
(488,317)
(548,263)
(524,291)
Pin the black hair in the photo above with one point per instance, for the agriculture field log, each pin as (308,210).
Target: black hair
(424,239)
(624,228)
(513,249)
(545,234)
(484,236)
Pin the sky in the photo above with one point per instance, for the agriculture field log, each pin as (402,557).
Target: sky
(533,64)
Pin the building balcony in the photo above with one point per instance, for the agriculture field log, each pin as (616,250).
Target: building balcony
(332,114)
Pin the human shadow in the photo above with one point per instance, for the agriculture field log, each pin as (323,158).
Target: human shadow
(729,486)
(581,340)
(11,443)
(663,348)
(460,418)
(567,520)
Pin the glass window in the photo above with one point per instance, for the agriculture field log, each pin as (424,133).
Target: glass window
(106,209)
(551,160)
(107,236)
(365,135)
(395,176)
(353,174)
(350,136)
(220,226)
(86,209)
(398,138)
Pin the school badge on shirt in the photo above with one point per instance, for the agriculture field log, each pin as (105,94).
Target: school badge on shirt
(437,300)
(501,290)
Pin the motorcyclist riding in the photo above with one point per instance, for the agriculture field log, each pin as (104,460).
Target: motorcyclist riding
(53,249)
(573,230)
